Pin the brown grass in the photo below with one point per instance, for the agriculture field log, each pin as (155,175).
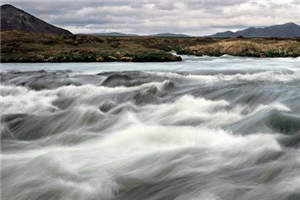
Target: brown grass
(248,47)
(32,47)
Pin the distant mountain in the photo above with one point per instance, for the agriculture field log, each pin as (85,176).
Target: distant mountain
(280,31)
(13,18)
(114,34)
(117,34)
(170,35)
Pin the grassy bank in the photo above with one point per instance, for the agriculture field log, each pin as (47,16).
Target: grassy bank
(33,47)
(254,47)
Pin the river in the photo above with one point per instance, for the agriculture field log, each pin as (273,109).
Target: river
(206,128)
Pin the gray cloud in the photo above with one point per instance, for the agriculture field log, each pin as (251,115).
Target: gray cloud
(196,17)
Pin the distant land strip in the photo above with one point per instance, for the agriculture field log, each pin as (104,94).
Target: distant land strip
(36,47)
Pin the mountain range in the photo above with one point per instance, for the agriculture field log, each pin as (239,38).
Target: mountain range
(117,34)
(279,31)
(13,18)
(169,35)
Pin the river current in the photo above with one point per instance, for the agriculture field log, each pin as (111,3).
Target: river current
(206,128)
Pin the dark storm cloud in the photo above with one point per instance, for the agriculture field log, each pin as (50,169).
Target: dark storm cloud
(197,17)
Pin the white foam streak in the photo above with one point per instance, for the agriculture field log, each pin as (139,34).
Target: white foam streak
(268,76)
(189,110)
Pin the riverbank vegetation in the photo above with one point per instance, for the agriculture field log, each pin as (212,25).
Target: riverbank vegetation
(34,47)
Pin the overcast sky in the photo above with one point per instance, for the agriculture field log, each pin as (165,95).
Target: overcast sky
(195,17)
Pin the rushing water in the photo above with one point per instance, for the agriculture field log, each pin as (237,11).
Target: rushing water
(206,128)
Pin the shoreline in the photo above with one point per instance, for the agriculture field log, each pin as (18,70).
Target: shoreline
(154,61)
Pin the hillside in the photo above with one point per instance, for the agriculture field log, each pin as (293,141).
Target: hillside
(13,18)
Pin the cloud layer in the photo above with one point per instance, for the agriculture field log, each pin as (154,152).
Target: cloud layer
(195,17)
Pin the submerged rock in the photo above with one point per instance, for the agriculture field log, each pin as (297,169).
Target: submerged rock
(115,80)
(63,103)
(107,106)
(169,85)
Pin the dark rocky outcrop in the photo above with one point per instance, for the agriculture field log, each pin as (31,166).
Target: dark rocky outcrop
(115,80)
